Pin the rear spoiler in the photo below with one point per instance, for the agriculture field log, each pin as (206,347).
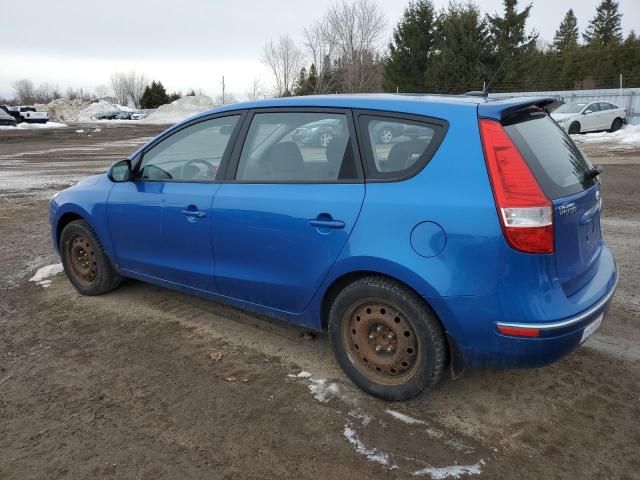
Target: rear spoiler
(499,108)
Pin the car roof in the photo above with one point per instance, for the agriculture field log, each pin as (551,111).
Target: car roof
(401,103)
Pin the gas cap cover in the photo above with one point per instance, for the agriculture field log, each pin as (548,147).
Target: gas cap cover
(428,239)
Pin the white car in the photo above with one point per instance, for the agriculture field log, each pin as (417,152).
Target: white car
(589,116)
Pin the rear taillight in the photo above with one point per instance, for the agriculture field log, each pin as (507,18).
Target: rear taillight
(526,214)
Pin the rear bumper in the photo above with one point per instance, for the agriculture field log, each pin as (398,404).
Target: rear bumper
(473,322)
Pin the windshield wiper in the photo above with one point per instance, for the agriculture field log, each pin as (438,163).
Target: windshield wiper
(593,172)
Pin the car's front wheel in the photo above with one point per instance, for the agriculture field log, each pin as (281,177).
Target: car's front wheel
(616,125)
(386,339)
(86,264)
(574,128)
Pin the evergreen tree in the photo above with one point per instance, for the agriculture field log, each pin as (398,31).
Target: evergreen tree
(174,96)
(410,48)
(605,29)
(512,43)
(154,95)
(566,37)
(312,79)
(461,51)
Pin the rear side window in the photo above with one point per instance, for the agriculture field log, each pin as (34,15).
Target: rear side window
(305,147)
(558,164)
(398,148)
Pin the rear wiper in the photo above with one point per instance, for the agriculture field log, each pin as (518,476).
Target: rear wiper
(593,172)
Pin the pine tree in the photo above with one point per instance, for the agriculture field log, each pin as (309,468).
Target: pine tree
(605,29)
(566,37)
(512,43)
(154,95)
(461,51)
(410,48)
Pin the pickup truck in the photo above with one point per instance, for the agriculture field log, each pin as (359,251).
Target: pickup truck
(28,114)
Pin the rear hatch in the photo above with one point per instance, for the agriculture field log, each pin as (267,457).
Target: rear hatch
(565,175)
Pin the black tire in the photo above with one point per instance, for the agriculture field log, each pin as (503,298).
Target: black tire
(616,125)
(87,267)
(426,362)
(574,128)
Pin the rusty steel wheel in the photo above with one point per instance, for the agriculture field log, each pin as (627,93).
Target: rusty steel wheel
(83,259)
(386,338)
(381,342)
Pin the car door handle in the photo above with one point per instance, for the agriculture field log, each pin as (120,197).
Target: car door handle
(326,223)
(193,213)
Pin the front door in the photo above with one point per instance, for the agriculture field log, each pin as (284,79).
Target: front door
(160,221)
(281,219)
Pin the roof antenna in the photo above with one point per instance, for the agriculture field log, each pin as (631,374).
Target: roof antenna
(485,90)
(485,86)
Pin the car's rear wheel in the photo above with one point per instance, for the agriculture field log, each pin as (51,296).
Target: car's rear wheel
(616,125)
(574,128)
(87,266)
(386,339)
(386,135)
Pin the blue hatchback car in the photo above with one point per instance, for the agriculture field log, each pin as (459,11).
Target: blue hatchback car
(471,238)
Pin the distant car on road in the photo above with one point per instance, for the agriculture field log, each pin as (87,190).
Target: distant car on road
(140,114)
(6,119)
(28,114)
(123,116)
(106,115)
(580,117)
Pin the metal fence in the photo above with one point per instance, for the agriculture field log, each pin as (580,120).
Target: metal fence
(628,98)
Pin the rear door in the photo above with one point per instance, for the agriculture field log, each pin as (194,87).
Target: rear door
(563,173)
(287,207)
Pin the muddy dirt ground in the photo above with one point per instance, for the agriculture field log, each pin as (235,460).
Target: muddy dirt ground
(127,385)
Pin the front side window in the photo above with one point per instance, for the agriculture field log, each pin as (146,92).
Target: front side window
(192,154)
(297,147)
(397,146)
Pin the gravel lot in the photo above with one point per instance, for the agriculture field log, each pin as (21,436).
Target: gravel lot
(129,385)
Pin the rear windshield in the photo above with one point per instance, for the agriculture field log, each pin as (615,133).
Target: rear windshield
(558,164)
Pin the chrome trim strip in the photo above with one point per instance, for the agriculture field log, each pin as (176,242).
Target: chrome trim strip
(570,321)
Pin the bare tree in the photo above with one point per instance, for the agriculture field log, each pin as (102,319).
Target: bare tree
(119,88)
(356,30)
(229,98)
(256,90)
(319,44)
(284,59)
(25,91)
(134,86)
(101,91)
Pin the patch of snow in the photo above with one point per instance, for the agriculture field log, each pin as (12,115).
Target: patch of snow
(180,109)
(627,136)
(90,112)
(43,275)
(360,415)
(31,126)
(404,418)
(80,131)
(324,391)
(453,471)
(302,374)
(372,454)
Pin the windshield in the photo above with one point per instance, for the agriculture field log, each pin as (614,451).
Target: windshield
(570,108)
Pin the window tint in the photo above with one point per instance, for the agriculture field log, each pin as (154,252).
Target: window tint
(557,163)
(397,146)
(297,146)
(605,106)
(190,155)
(594,107)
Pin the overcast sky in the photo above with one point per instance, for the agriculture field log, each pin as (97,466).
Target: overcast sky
(191,43)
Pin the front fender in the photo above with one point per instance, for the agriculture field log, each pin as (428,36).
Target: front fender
(87,200)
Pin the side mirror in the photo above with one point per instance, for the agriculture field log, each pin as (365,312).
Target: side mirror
(587,111)
(120,171)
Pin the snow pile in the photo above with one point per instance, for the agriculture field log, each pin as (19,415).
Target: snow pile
(181,109)
(65,109)
(454,471)
(89,113)
(628,136)
(43,276)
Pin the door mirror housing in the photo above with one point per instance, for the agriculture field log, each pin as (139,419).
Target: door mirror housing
(120,171)
(587,111)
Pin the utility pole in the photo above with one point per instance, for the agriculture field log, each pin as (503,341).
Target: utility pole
(223,90)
